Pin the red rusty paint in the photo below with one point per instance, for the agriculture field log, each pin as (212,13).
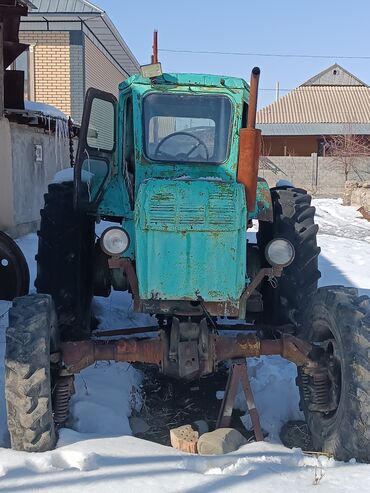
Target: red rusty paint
(249,146)
(79,355)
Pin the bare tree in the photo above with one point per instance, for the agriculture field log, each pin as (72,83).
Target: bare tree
(345,150)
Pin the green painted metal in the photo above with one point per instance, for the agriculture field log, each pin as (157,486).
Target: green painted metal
(181,248)
(263,209)
(202,80)
(190,239)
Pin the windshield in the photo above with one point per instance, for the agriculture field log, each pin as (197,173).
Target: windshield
(187,128)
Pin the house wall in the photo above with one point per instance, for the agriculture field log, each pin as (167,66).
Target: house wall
(99,71)
(321,176)
(23,181)
(52,67)
(77,70)
(290,146)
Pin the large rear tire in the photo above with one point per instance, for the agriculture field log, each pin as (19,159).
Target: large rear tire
(14,273)
(65,260)
(339,321)
(294,221)
(30,338)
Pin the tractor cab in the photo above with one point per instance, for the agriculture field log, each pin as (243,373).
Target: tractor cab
(172,126)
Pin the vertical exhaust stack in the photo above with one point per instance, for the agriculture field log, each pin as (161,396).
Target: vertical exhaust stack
(155,47)
(249,146)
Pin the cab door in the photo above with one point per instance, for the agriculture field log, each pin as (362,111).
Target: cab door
(96,149)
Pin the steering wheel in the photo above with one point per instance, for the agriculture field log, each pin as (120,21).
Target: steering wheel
(200,142)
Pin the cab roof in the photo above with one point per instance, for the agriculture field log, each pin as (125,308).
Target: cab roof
(204,80)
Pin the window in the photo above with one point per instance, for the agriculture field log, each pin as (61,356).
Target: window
(186,128)
(101,125)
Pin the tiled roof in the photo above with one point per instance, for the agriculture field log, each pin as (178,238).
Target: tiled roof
(319,104)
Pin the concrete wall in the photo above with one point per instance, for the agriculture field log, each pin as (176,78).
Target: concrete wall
(6,175)
(23,180)
(321,176)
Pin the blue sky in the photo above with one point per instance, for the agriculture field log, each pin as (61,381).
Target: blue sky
(310,27)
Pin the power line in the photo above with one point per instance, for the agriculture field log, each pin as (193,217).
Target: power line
(271,55)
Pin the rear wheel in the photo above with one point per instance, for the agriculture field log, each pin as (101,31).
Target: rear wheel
(30,339)
(14,273)
(293,220)
(65,260)
(336,397)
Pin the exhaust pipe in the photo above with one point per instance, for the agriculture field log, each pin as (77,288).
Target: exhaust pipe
(249,146)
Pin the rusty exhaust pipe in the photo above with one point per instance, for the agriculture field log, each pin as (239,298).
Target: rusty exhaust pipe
(155,47)
(249,146)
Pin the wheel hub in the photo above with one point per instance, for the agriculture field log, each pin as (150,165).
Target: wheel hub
(14,274)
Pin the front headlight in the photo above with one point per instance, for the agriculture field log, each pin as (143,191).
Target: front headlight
(114,241)
(279,252)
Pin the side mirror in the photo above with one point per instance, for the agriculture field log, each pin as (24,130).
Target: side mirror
(152,70)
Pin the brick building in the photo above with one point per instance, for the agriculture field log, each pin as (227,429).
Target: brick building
(73,46)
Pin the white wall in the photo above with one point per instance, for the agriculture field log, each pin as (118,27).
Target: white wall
(23,180)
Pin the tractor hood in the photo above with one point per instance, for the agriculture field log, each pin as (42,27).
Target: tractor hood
(190,239)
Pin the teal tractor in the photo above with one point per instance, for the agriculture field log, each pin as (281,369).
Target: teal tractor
(172,165)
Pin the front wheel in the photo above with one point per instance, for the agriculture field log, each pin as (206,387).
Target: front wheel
(31,338)
(336,397)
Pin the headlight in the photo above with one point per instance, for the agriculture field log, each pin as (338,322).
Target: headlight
(279,252)
(114,241)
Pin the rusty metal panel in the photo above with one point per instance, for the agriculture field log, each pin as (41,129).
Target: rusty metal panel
(190,240)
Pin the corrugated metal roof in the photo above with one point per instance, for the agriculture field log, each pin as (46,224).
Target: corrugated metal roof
(291,129)
(71,15)
(320,104)
(54,6)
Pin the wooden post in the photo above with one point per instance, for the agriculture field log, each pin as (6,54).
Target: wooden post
(1,68)
(238,373)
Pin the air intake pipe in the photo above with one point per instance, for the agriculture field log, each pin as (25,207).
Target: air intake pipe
(249,146)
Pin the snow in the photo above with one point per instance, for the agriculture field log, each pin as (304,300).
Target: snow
(44,109)
(99,454)
(272,382)
(284,183)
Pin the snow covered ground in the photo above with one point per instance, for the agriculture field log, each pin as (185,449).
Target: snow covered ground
(100,455)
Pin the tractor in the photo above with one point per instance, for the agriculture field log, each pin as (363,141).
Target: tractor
(172,165)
